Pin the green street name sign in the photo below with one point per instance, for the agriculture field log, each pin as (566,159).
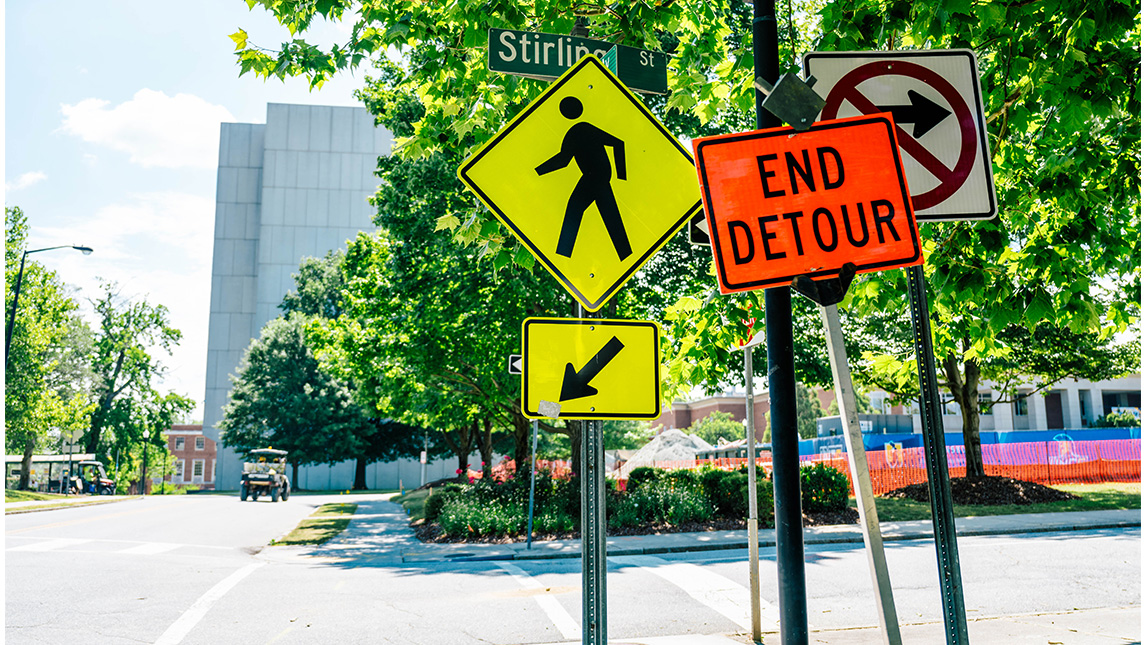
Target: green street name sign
(547,56)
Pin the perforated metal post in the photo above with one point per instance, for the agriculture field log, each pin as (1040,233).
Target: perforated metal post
(593,531)
(938,475)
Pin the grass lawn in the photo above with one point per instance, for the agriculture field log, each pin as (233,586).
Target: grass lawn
(1094,497)
(32,496)
(414,503)
(322,526)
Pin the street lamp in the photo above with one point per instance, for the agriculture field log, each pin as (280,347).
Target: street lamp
(16,292)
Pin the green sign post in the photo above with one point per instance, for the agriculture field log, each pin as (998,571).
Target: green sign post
(547,56)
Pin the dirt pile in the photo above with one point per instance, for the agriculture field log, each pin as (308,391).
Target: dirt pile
(987,491)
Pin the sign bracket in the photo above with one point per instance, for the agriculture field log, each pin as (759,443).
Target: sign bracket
(827,292)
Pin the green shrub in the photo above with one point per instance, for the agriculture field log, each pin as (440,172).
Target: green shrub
(462,516)
(642,475)
(823,488)
(437,500)
(726,491)
(554,522)
(682,478)
(660,502)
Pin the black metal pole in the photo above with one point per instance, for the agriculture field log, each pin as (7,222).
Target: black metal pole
(937,472)
(781,382)
(12,313)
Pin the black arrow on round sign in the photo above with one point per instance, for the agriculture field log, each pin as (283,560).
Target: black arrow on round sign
(576,383)
(922,112)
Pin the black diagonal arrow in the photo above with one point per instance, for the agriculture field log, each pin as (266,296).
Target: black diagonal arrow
(576,383)
(922,112)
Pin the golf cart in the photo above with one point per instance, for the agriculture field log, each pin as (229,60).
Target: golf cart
(264,473)
(93,478)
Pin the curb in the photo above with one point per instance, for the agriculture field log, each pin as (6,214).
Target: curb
(55,507)
(809,538)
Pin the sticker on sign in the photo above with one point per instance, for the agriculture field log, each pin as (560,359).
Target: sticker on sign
(782,204)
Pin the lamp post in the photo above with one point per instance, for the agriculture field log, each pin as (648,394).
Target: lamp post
(143,483)
(16,292)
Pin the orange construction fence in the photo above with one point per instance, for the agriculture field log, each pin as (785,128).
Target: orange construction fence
(1042,462)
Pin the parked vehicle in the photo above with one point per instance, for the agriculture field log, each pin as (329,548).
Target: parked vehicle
(93,479)
(264,473)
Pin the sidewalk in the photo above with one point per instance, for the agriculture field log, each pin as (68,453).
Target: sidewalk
(13,508)
(379,533)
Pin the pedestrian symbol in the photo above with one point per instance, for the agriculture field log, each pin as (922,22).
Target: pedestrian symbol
(588,180)
(585,143)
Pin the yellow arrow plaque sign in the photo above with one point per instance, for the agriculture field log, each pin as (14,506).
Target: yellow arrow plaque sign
(589,181)
(591,368)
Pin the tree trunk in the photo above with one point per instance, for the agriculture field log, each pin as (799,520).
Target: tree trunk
(962,380)
(26,462)
(463,446)
(485,445)
(574,434)
(293,475)
(522,429)
(360,474)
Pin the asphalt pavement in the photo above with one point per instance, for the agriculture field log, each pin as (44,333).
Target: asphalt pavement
(379,535)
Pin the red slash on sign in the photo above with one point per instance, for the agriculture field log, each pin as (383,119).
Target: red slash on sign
(948,161)
(951,179)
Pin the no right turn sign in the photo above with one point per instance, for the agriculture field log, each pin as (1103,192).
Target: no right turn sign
(936,102)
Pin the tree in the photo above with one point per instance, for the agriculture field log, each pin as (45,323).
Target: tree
(318,295)
(1065,134)
(281,398)
(717,426)
(39,395)
(124,368)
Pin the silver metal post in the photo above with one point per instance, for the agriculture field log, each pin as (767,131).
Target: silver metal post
(532,488)
(752,506)
(860,475)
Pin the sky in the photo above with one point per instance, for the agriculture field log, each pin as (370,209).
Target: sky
(111,136)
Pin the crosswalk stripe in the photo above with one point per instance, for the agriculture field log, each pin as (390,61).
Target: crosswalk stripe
(151,548)
(556,613)
(50,545)
(726,596)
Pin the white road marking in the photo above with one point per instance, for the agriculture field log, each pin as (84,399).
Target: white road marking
(151,548)
(50,545)
(726,596)
(556,613)
(183,626)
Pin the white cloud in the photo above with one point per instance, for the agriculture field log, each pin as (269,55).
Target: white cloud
(156,246)
(25,180)
(153,128)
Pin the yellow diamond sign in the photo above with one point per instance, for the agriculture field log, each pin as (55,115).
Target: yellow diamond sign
(591,368)
(588,180)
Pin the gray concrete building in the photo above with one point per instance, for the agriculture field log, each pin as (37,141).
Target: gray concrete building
(294,187)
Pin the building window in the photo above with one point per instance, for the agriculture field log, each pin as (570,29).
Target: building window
(1022,405)
(984,403)
(180,443)
(200,443)
(197,470)
(179,469)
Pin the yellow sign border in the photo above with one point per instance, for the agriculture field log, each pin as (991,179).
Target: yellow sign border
(553,88)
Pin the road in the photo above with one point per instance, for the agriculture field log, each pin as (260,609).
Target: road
(190,569)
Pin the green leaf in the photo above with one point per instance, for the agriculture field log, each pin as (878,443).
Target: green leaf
(449,222)
(239,38)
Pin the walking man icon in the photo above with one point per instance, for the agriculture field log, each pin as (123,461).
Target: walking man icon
(585,143)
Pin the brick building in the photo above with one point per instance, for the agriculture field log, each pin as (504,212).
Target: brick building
(194,457)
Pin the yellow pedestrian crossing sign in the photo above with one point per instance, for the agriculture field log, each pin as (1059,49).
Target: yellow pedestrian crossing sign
(589,181)
(590,368)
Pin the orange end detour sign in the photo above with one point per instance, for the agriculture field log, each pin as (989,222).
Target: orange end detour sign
(781,204)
